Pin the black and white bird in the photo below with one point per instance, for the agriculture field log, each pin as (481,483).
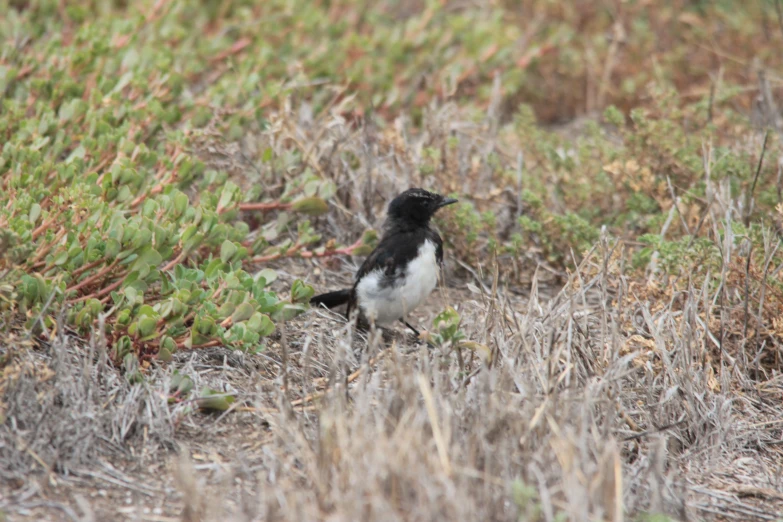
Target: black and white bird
(403,269)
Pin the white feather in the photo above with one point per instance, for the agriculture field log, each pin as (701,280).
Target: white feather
(388,304)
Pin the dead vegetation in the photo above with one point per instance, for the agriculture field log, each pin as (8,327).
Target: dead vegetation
(619,280)
(598,402)
(610,393)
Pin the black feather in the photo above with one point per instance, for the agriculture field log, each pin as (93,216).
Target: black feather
(332,299)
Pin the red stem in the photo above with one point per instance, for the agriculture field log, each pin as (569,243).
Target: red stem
(93,278)
(84,268)
(104,291)
(171,264)
(215,342)
(270,257)
(346,251)
(110,288)
(40,230)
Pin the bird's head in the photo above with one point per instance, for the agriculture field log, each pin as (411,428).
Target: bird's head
(417,206)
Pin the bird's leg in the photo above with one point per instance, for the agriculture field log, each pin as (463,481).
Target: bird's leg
(414,330)
(418,335)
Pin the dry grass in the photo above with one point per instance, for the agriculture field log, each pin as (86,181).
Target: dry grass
(594,407)
(606,397)
(611,393)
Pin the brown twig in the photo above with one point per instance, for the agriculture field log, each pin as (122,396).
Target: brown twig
(46,249)
(101,165)
(102,292)
(174,262)
(277,255)
(234,49)
(209,344)
(308,254)
(45,225)
(181,343)
(347,251)
(93,278)
(77,272)
(749,196)
(157,189)
(263,207)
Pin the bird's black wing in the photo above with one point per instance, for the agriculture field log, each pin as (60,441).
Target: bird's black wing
(435,238)
(392,254)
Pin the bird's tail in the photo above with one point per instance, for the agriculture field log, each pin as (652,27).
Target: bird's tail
(331,299)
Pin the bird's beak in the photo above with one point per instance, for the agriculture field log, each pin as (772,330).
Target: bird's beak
(447,201)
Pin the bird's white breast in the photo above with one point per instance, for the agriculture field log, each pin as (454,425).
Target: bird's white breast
(388,304)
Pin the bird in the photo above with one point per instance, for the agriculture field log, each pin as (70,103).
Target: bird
(402,270)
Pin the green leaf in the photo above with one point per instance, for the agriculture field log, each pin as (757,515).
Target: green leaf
(167,348)
(214,268)
(261,324)
(267,302)
(147,326)
(268,275)
(78,153)
(181,383)
(447,324)
(205,326)
(362,250)
(301,292)
(123,346)
(312,206)
(214,400)
(35,213)
(188,233)
(124,194)
(227,250)
(226,309)
(112,249)
(193,243)
(370,237)
(227,195)
(243,311)
(131,294)
(30,285)
(288,311)
(149,257)
(180,203)
(60,258)
(124,317)
(164,354)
